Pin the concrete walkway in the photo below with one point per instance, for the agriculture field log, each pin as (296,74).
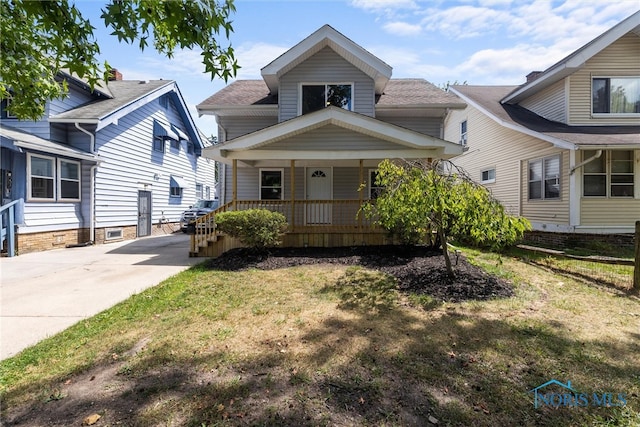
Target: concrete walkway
(44,293)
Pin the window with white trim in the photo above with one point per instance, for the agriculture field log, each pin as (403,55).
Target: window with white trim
(198,191)
(488,176)
(610,175)
(463,132)
(271,184)
(41,182)
(315,97)
(615,95)
(69,180)
(544,178)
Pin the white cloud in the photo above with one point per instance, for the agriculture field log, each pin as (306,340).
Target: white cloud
(254,56)
(402,29)
(464,21)
(507,66)
(384,4)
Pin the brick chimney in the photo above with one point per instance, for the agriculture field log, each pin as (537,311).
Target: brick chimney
(533,75)
(115,75)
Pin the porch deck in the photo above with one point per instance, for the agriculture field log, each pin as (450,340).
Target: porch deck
(312,223)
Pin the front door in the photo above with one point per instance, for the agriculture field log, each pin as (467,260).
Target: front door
(144,213)
(319,191)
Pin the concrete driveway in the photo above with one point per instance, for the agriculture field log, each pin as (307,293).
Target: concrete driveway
(44,293)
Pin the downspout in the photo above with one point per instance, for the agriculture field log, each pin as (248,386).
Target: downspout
(579,165)
(223,185)
(92,173)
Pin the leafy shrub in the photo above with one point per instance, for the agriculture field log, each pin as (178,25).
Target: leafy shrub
(256,228)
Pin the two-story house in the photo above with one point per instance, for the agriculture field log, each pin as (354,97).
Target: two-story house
(307,138)
(562,149)
(117,162)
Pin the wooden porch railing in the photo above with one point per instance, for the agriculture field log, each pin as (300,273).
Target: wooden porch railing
(328,216)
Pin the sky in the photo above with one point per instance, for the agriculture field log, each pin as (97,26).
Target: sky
(479,42)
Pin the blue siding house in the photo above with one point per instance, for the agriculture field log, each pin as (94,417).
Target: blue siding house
(118,162)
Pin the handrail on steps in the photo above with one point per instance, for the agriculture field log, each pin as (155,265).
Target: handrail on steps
(8,228)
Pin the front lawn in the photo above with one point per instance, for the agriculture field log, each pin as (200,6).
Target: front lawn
(333,343)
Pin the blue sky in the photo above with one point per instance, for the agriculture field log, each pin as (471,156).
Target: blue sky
(474,41)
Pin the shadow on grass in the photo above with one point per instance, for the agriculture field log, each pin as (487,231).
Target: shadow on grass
(378,364)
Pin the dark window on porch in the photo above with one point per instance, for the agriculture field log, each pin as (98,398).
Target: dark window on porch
(271,184)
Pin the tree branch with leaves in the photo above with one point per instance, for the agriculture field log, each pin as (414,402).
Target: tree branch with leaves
(420,198)
(41,38)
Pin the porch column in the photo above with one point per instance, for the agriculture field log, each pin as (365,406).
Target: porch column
(362,189)
(293,194)
(234,183)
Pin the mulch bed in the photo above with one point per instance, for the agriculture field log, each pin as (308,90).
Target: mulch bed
(418,270)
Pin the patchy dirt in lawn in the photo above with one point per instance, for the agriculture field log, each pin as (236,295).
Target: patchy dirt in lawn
(418,270)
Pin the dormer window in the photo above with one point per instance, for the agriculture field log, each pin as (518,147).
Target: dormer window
(616,95)
(318,96)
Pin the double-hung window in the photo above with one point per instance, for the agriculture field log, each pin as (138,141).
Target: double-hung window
(198,191)
(271,184)
(318,96)
(615,95)
(69,180)
(610,175)
(51,179)
(544,178)
(41,177)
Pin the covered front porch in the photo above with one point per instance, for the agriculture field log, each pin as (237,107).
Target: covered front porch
(312,222)
(318,170)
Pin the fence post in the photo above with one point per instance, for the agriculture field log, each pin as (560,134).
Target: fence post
(636,267)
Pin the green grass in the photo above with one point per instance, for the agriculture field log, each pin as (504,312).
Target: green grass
(327,345)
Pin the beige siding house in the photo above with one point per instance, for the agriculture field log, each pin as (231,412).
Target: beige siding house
(307,138)
(562,149)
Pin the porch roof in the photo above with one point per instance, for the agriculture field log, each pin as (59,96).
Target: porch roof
(30,142)
(399,142)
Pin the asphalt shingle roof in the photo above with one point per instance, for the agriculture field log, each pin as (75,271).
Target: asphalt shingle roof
(397,93)
(488,97)
(124,92)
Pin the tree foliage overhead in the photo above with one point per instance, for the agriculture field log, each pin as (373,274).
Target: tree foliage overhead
(420,197)
(40,38)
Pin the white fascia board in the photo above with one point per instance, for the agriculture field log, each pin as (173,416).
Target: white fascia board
(239,110)
(326,36)
(556,142)
(347,120)
(576,60)
(192,125)
(435,152)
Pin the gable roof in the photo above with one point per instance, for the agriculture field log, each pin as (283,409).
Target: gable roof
(487,100)
(576,60)
(325,36)
(406,139)
(127,96)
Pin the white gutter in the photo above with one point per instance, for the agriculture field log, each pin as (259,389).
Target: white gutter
(92,146)
(579,165)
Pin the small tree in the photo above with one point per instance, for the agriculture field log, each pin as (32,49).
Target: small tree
(419,197)
(256,228)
